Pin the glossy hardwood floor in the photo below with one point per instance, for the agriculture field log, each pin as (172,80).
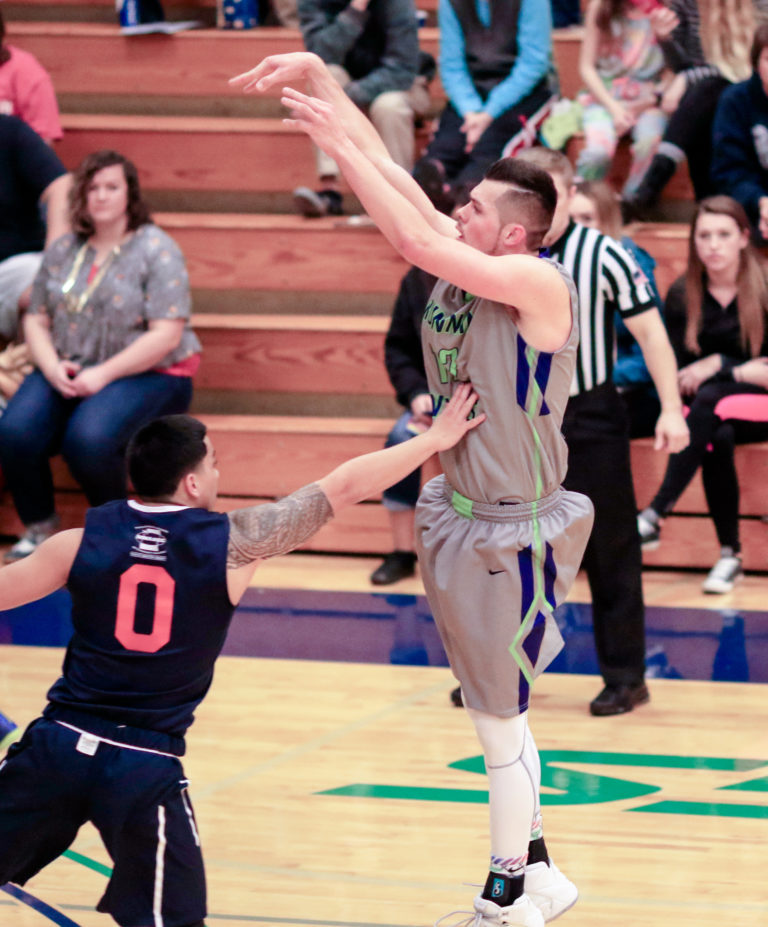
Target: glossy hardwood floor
(660,816)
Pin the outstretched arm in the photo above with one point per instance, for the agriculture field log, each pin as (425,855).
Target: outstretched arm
(42,572)
(262,531)
(533,287)
(296,67)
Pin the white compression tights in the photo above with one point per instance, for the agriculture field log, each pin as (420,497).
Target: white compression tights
(514,777)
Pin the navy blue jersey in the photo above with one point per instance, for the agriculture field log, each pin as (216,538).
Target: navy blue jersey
(151,610)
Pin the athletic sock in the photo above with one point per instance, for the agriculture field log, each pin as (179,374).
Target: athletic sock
(504,888)
(537,852)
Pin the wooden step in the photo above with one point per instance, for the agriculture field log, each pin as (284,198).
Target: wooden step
(311,354)
(231,251)
(187,153)
(197,63)
(648,468)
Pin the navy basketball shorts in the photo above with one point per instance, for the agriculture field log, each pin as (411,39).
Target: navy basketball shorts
(57,778)
(494,575)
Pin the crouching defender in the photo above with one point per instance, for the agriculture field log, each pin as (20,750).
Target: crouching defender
(154,583)
(499,541)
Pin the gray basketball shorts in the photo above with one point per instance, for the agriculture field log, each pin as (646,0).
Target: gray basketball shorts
(493,575)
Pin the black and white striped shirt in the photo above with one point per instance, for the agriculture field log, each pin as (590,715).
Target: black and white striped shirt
(607,279)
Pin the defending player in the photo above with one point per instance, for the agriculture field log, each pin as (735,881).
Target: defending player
(154,584)
(499,541)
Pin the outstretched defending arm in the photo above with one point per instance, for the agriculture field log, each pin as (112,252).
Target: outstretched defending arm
(288,69)
(264,531)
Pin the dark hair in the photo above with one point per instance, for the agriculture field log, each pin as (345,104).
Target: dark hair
(759,42)
(163,452)
(5,54)
(137,210)
(532,199)
(607,11)
(752,287)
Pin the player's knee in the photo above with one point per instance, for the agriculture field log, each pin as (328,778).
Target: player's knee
(502,739)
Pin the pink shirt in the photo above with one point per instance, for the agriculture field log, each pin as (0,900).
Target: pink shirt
(27,91)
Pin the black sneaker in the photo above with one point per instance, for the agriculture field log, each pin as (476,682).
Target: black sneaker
(456,698)
(617,700)
(315,204)
(396,566)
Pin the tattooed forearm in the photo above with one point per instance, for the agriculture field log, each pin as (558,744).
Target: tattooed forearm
(275,528)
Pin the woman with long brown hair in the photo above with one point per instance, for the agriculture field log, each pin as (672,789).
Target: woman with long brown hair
(108,331)
(716,318)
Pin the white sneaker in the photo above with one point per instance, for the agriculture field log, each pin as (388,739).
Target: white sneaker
(521,913)
(649,531)
(32,538)
(724,574)
(551,892)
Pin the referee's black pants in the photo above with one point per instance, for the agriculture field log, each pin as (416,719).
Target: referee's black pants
(596,431)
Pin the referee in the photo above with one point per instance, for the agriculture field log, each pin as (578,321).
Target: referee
(597,433)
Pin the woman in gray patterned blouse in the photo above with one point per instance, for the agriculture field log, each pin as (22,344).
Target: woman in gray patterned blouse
(108,331)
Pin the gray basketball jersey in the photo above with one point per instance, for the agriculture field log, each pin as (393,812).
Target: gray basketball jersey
(518,454)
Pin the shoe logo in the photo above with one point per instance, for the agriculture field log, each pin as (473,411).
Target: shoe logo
(498,888)
(149,543)
(494,572)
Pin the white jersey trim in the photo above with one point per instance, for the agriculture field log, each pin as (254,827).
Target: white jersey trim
(157,901)
(141,507)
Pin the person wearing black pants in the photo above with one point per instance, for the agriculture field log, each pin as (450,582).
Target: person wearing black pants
(464,169)
(688,137)
(596,430)
(597,434)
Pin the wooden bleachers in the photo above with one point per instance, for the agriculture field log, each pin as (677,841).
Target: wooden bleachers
(291,313)
(194,64)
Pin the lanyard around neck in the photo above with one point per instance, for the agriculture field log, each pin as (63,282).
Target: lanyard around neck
(77,303)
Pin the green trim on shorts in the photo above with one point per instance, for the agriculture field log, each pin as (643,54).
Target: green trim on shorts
(462,505)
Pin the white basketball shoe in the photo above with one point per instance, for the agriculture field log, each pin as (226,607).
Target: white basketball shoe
(551,892)
(521,913)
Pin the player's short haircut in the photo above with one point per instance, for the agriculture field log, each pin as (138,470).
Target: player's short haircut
(553,162)
(163,452)
(530,199)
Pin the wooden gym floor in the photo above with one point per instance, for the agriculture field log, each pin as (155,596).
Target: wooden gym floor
(345,794)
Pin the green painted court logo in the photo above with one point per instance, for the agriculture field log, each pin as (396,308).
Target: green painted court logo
(571,786)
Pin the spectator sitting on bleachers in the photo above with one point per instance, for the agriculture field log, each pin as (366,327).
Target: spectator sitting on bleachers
(496,68)
(716,317)
(706,52)
(27,91)
(108,330)
(740,139)
(31,177)
(596,205)
(621,64)
(371,48)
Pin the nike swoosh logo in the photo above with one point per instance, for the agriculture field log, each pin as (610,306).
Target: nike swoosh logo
(494,572)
